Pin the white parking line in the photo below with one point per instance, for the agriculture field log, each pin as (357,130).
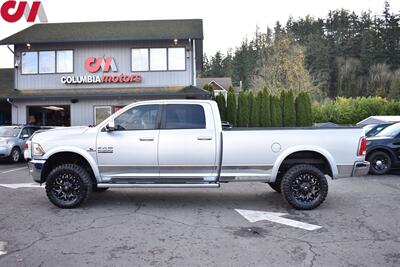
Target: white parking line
(3,248)
(22,185)
(14,170)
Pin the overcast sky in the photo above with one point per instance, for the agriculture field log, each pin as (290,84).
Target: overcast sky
(226,22)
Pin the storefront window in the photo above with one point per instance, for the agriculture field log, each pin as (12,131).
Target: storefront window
(140,59)
(101,113)
(176,58)
(29,62)
(51,115)
(47,62)
(65,61)
(158,59)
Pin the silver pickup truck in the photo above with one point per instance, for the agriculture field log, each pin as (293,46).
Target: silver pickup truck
(181,144)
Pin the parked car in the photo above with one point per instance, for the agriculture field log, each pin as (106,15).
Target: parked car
(12,141)
(383,150)
(182,144)
(372,130)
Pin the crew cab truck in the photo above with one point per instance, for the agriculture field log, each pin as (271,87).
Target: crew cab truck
(181,144)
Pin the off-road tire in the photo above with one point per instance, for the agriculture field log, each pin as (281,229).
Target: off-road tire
(304,187)
(384,158)
(66,178)
(13,155)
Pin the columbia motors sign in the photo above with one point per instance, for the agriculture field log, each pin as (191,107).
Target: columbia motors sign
(12,11)
(105,65)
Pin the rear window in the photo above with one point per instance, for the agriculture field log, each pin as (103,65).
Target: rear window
(184,117)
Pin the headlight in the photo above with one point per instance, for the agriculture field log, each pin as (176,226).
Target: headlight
(37,150)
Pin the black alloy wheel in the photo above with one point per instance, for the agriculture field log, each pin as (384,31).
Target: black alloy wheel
(304,187)
(68,186)
(381,163)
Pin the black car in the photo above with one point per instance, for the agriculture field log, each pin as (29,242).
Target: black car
(376,129)
(383,150)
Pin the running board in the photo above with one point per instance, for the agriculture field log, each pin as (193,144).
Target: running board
(114,185)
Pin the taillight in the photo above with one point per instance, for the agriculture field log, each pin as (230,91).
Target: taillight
(26,146)
(362,147)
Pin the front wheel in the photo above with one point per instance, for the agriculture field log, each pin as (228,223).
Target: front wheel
(304,187)
(68,186)
(380,163)
(15,155)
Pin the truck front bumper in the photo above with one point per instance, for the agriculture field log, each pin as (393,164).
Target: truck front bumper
(360,168)
(35,169)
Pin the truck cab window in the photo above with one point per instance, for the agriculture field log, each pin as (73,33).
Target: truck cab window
(184,117)
(138,118)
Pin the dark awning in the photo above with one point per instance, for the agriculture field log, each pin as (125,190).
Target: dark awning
(137,93)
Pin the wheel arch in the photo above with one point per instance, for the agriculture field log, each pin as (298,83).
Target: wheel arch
(306,155)
(62,156)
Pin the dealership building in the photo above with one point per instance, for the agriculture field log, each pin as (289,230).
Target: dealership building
(70,74)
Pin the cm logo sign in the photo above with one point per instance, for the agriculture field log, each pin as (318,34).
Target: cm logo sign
(12,11)
(93,64)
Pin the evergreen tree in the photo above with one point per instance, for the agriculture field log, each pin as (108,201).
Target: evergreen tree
(255,104)
(220,99)
(303,110)
(243,110)
(288,109)
(265,108)
(276,112)
(231,107)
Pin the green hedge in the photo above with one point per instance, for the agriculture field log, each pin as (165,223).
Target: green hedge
(352,110)
(265,110)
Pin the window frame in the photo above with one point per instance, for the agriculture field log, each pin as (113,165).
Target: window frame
(164,118)
(73,60)
(55,61)
(166,58)
(158,119)
(101,106)
(149,58)
(184,58)
(37,63)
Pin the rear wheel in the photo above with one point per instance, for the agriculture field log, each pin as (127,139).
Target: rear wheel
(304,187)
(68,186)
(380,163)
(15,155)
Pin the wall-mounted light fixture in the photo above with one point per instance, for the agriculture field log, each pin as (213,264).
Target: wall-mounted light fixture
(28,45)
(176,41)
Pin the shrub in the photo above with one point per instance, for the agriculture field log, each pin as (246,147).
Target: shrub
(288,109)
(243,110)
(303,110)
(265,108)
(276,112)
(231,107)
(220,99)
(254,103)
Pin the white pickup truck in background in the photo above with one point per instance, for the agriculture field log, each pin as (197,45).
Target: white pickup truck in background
(181,144)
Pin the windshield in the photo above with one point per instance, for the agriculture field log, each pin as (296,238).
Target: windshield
(9,131)
(391,131)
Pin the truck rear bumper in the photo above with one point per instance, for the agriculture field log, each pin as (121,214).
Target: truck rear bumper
(360,168)
(35,169)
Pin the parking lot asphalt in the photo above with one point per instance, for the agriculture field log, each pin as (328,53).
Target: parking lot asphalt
(360,226)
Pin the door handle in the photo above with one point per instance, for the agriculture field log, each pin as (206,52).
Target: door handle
(146,138)
(204,138)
